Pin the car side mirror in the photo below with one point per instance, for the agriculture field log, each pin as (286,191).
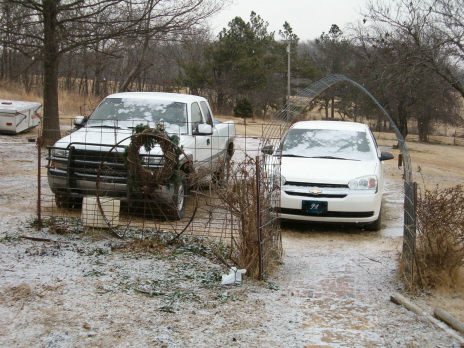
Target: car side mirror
(80,121)
(204,129)
(268,149)
(385,156)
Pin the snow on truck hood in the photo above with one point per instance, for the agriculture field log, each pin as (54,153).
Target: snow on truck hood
(318,170)
(89,138)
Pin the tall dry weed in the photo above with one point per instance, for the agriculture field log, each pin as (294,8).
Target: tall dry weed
(256,238)
(70,104)
(439,253)
(15,91)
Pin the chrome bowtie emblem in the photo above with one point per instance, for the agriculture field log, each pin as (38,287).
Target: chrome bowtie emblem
(315,191)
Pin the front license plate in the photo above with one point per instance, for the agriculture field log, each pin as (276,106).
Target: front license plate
(314,207)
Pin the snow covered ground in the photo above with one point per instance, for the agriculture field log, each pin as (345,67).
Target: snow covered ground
(80,289)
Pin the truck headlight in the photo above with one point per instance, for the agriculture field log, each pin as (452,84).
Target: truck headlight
(60,153)
(152,160)
(368,182)
(59,158)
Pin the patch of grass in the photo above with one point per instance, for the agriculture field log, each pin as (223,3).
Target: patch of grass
(272,286)
(225,297)
(9,238)
(167,309)
(94,273)
(98,252)
(59,225)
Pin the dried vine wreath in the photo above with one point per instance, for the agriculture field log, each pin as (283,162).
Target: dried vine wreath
(145,179)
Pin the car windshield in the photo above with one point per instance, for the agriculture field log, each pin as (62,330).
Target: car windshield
(128,113)
(329,143)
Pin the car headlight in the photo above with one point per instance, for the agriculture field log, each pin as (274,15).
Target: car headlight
(276,180)
(282,180)
(364,183)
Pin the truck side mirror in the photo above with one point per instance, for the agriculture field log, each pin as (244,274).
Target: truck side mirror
(268,149)
(80,121)
(204,129)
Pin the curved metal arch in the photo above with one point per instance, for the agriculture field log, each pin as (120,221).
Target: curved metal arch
(282,121)
(292,112)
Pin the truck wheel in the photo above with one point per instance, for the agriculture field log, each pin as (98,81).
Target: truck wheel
(221,176)
(175,210)
(66,202)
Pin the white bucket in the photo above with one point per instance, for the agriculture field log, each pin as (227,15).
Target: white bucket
(91,215)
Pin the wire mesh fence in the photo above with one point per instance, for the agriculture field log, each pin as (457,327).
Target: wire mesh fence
(138,183)
(115,174)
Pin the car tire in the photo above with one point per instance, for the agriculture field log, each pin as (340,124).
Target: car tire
(377,224)
(175,210)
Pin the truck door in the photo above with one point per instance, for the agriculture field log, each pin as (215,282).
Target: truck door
(203,143)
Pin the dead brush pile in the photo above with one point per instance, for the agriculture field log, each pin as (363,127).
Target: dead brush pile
(439,254)
(257,237)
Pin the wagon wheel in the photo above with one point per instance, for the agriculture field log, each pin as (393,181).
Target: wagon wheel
(146,205)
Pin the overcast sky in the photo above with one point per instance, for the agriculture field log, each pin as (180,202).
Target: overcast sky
(308,18)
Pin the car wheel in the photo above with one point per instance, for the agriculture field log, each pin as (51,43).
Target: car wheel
(175,210)
(377,224)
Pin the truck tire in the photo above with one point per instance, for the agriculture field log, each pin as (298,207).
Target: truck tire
(221,176)
(65,202)
(176,209)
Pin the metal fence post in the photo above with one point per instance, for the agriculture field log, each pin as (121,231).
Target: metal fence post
(39,173)
(409,241)
(258,218)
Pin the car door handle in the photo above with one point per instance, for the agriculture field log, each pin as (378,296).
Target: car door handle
(207,141)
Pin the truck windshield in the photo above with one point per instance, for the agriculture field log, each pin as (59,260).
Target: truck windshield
(128,113)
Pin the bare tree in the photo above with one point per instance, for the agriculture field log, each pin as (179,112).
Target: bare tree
(47,29)
(434,27)
(389,65)
(168,25)
(332,53)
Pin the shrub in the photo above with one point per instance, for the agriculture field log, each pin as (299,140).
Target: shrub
(243,108)
(439,253)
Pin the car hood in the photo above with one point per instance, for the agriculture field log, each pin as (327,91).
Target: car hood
(325,171)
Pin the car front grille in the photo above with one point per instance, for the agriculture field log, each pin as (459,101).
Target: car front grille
(314,195)
(315,185)
(334,214)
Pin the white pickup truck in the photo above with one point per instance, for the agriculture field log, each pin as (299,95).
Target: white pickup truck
(93,159)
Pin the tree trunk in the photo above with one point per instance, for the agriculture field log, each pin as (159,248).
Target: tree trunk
(402,119)
(423,127)
(51,124)
(332,109)
(326,108)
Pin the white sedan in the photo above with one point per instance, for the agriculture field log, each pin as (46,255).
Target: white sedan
(331,171)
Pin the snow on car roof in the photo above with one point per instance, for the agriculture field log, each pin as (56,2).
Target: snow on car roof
(175,97)
(336,125)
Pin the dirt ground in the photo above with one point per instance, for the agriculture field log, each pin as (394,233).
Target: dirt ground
(332,290)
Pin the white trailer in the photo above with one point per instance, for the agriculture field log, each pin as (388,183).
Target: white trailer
(19,116)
